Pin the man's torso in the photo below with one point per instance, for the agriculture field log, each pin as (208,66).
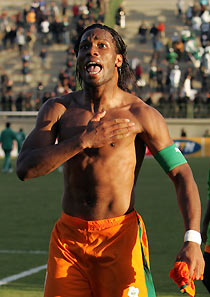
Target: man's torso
(98,182)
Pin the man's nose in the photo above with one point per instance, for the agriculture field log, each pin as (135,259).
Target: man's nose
(93,51)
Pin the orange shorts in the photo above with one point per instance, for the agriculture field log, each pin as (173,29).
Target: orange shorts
(103,258)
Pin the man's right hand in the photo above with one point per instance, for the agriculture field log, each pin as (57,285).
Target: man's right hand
(100,132)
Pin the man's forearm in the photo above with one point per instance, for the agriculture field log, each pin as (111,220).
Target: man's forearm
(189,204)
(187,197)
(191,210)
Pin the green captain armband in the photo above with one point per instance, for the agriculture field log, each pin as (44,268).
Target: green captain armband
(170,157)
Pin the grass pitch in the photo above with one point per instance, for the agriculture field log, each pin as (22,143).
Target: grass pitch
(30,209)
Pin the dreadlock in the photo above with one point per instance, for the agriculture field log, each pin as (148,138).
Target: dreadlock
(125,75)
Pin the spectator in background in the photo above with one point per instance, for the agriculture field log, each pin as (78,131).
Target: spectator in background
(64,5)
(45,97)
(12,36)
(143,32)
(54,11)
(153,33)
(25,56)
(180,8)
(196,23)
(159,77)
(21,40)
(30,18)
(205,61)
(6,139)
(56,28)
(45,30)
(175,77)
(161,30)
(43,56)
(187,89)
(204,33)
(19,102)
(4,81)
(120,17)
(189,14)
(179,50)
(183,133)
(66,30)
(139,71)
(75,10)
(26,72)
(152,76)
(134,62)
(101,16)
(206,133)
(39,90)
(31,39)
(171,57)
(28,101)
(59,89)
(157,50)
(20,137)
(7,101)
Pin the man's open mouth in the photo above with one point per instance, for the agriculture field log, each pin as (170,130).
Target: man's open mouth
(93,67)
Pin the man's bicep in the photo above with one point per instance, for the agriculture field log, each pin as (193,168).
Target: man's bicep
(39,138)
(45,131)
(155,132)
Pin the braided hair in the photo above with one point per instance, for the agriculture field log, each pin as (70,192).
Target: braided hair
(125,75)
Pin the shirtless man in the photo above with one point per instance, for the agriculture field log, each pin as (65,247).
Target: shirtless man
(98,247)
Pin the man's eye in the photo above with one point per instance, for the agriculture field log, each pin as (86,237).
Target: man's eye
(102,45)
(84,46)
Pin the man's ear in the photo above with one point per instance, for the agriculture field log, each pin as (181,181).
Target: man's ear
(119,60)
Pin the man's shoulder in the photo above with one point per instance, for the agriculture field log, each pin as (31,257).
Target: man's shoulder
(145,114)
(139,106)
(61,102)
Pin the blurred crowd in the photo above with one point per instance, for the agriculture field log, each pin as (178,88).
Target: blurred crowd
(176,80)
(33,31)
(179,67)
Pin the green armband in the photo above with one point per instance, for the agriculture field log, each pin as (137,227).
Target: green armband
(170,157)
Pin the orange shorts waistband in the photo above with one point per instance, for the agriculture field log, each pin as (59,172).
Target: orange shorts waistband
(97,224)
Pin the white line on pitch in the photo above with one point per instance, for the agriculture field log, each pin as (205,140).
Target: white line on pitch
(14,277)
(22,252)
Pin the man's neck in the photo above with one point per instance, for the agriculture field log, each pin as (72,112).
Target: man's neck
(101,98)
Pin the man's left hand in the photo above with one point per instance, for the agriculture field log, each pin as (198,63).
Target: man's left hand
(191,254)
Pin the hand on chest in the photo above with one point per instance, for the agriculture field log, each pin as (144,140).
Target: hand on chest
(78,120)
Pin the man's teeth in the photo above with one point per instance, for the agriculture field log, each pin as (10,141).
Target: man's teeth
(93,68)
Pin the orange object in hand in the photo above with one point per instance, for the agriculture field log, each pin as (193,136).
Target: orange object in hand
(180,275)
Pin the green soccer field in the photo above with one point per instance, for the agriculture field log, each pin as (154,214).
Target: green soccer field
(30,209)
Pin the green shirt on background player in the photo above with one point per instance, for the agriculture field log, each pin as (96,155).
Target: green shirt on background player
(6,138)
(206,240)
(20,135)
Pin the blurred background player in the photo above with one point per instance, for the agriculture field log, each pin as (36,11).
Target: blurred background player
(7,137)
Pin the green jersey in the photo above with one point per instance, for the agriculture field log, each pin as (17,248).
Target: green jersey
(20,137)
(7,137)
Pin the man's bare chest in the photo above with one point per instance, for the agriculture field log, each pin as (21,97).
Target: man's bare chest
(76,120)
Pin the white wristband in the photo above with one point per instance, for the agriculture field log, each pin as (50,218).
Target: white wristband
(192,235)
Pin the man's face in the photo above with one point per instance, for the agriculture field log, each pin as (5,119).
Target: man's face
(97,59)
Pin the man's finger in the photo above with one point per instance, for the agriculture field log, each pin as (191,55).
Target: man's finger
(98,116)
(191,271)
(123,125)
